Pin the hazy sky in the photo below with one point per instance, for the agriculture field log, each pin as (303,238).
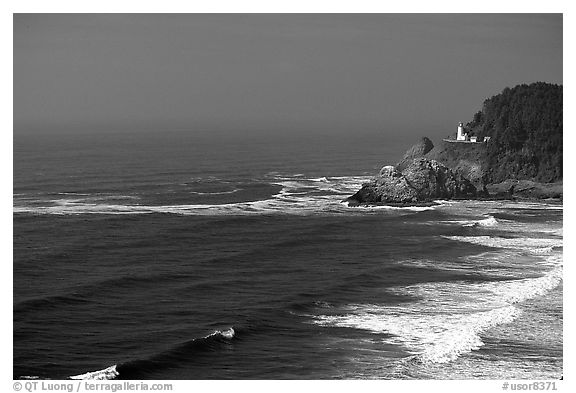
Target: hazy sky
(347,72)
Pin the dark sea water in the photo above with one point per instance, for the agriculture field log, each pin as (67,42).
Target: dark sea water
(175,256)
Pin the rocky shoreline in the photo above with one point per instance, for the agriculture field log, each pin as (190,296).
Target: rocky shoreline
(526,189)
(418,180)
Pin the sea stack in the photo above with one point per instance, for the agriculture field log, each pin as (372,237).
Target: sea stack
(421,181)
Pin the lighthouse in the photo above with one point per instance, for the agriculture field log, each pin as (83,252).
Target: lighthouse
(461,136)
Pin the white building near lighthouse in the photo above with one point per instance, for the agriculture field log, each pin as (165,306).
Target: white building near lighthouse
(461,135)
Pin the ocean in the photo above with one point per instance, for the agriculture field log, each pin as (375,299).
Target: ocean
(175,255)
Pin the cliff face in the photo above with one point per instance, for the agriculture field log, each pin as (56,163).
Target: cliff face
(469,160)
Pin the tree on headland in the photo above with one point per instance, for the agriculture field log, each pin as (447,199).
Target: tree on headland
(525,126)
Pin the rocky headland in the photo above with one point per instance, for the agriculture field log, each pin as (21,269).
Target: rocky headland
(521,160)
(420,180)
(415,180)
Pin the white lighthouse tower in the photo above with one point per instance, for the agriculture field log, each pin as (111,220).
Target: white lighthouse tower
(461,136)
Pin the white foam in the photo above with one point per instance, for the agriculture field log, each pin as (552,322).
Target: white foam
(503,242)
(490,221)
(516,291)
(228,333)
(542,250)
(529,205)
(215,193)
(393,208)
(106,374)
(436,338)
(464,336)
(449,317)
(298,196)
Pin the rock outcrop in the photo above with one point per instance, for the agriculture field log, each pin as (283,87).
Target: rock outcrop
(422,180)
(468,159)
(525,189)
(417,151)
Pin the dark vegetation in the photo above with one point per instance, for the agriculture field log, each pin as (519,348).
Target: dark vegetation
(523,158)
(525,124)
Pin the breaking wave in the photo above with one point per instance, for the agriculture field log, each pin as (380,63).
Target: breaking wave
(138,369)
(106,374)
(524,243)
(450,317)
(436,338)
(490,221)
